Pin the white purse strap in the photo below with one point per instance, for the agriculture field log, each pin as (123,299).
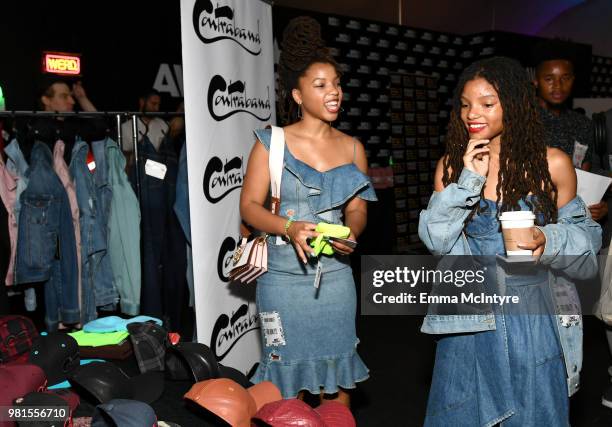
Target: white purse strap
(275,163)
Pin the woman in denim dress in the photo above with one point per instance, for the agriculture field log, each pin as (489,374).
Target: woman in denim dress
(511,369)
(313,346)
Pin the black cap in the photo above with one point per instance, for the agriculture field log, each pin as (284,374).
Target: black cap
(234,374)
(193,361)
(105,382)
(57,354)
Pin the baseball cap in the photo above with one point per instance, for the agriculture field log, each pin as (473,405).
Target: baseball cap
(70,397)
(124,413)
(196,362)
(16,336)
(105,382)
(230,401)
(335,414)
(66,384)
(149,341)
(57,354)
(289,413)
(234,374)
(18,380)
(191,361)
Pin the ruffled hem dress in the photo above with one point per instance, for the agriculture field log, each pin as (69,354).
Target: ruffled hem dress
(308,335)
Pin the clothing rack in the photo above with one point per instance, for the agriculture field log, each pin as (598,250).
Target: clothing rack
(119,116)
(132,115)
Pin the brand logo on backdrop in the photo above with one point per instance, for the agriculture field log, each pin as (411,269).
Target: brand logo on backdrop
(222,22)
(224,261)
(225,100)
(220,178)
(228,330)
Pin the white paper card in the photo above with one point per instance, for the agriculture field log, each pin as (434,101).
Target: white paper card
(155,169)
(591,187)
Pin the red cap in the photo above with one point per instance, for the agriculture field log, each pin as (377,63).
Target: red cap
(230,401)
(290,413)
(17,381)
(336,414)
(226,399)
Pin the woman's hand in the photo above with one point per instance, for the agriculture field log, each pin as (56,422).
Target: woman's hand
(299,232)
(476,157)
(537,244)
(343,249)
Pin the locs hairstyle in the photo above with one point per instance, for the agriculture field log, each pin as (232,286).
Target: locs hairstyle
(523,166)
(302,46)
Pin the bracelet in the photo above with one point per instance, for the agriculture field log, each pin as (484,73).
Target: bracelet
(287,225)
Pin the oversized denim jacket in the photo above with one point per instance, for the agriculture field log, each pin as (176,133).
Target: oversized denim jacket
(575,233)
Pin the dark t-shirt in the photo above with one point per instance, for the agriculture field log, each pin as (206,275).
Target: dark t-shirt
(564,130)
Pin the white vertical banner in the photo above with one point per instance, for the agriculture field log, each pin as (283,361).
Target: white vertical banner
(228,78)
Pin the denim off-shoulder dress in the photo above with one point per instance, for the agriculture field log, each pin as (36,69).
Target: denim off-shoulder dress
(513,376)
(308,335)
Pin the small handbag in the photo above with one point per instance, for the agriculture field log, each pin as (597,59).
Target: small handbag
(250,260)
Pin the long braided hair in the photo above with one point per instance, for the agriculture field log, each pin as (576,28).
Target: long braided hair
(302,46)
(523,166)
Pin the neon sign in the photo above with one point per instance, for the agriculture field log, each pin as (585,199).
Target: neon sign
(61,63)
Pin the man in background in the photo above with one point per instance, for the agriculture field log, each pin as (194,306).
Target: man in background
(154,128)
(564,128)
(59,95)
(567,129)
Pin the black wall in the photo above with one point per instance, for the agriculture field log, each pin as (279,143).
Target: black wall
(122,46)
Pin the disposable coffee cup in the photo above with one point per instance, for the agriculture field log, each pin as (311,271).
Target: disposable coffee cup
(517,227)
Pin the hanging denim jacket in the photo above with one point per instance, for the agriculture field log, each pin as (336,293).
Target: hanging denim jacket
(18,166)
(46,248)
(124,231)
(16,163)
(575,233)
(93,196)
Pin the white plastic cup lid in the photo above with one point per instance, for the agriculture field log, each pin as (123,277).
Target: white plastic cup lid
(516,216)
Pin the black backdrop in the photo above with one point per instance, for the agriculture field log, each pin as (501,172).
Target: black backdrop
(122,44)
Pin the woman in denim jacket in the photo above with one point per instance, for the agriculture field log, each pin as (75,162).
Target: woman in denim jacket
(495,367)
